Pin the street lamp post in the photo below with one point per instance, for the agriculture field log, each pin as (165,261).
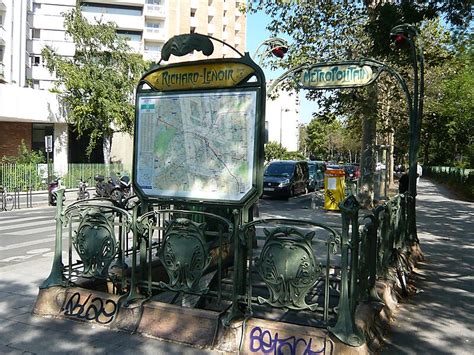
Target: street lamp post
(402,34)
(274,46)
(282,109)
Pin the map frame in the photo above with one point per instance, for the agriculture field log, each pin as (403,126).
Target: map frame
(252,192)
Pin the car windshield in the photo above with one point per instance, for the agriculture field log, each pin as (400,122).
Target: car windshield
(312,168)
(279,170)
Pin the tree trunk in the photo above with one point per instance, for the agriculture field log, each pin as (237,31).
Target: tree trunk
(367,163)
(106,149)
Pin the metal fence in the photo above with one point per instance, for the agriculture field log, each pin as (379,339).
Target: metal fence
(76,172)
(304,272)
(34,176)
(461,180)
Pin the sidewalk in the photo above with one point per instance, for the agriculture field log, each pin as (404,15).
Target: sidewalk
(22,333)
(439,319)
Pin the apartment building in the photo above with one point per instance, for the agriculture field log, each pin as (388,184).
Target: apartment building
(29,111)
(281,120)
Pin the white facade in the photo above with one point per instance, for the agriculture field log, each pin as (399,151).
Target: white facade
(281,120)
(26,26)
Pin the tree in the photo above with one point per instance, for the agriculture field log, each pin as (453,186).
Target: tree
(274,151)
(96,85)
(333,30)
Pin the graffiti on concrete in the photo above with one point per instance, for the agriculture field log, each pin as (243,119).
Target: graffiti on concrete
(265,342)
(95,309)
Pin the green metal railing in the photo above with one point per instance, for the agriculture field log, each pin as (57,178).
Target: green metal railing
(76,172)
(21,176)
(24,176)
(461,180)
(266,265)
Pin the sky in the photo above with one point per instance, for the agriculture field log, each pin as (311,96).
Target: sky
(256,34)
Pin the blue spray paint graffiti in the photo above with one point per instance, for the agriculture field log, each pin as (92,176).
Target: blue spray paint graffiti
(263,341)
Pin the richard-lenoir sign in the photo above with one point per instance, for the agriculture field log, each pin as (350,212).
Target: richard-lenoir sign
(199,76)
(334,76)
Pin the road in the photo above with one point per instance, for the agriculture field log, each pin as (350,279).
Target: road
(26,234)
(29,233)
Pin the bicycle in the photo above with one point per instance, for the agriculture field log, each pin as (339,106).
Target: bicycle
(6,200)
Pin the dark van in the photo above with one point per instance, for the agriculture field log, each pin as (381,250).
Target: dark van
(286,178)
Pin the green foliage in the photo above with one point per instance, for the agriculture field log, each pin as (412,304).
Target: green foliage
(340,30)
(24,156)
(21,171)
(274,151)
(293,156)
(96,85)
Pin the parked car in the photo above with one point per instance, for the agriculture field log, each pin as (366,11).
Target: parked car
(286,178)
(316,175)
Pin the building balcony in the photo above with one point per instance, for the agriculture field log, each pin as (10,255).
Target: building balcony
(123,22)
(154,34)
(193,22)
(211,11)
(238,26)
(118,2)
(225,35)
(3,35)
(194,4)
(225,20)
(152,55)
(2,73)
(211,29)
(155,11)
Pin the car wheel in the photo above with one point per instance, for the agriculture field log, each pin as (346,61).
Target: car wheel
(292,192)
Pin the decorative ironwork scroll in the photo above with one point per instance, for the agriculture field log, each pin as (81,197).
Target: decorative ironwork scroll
(185,255)
(95,243)
(288,267)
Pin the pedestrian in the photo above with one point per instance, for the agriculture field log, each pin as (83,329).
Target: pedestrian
(403,183)
(419,172)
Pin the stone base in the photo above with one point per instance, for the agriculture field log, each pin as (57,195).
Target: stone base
(185,325)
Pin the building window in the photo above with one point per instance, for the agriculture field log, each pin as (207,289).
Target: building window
(209,19)
(35,33)
(130,35)
(193,12)
(192,29)
(35,60)
(111,9)
(152,47)
(36,84)
(36,7)
(41,130)
(153,25)
(153,2)
(210,2)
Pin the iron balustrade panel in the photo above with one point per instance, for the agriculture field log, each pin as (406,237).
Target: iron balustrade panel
(292,270)
(181,252)
(97,235)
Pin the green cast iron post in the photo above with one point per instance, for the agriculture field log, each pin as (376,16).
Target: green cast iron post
(345,328)
(56,277)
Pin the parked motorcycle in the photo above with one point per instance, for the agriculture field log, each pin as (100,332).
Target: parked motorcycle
(114,188)
(53,187)
(82,193)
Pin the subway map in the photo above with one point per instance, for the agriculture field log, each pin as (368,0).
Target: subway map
(196,146)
